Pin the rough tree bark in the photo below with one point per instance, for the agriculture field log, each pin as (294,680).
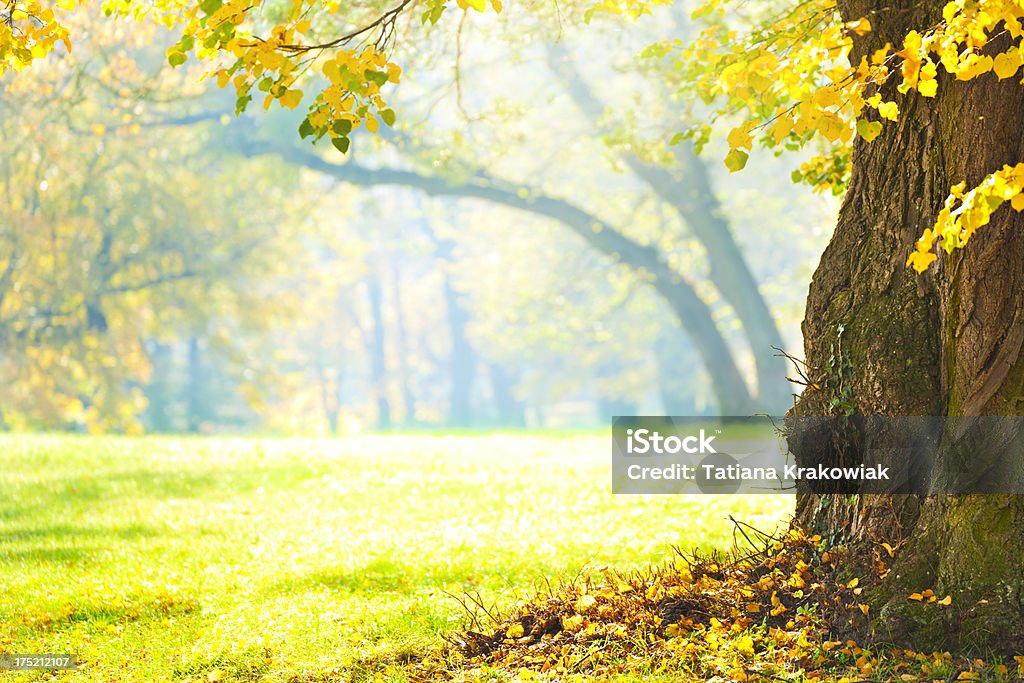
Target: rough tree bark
(884,341)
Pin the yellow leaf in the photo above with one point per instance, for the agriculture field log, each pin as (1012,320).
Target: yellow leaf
(585,602)
(946,600)
(864,608)
(372,124)
(745,645)
(572,623)
(291,98)
(853,582)
(753,607)
(888,110)
(515,631)
(66,4)
(916,596)
(860,27)
(98,129)
(1018,202)
(1006,64)
(781,129)
(740,137)
(889,549)
(735,160)
(869,130)
(302,26)
(928,88)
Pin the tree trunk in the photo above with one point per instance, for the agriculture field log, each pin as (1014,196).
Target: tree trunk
(196,404)
(462,361)
(880,340)
(378,353)
(160,389)
(510,410)
(673,355)
(688,190)
(402,347)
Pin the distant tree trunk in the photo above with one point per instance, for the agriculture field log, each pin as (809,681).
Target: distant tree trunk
(378,351)
(463,358)
(676,364)
(402,347)
(511,412)
(159,391)
(196,406)
(946,343)
(330,396)
(686,187)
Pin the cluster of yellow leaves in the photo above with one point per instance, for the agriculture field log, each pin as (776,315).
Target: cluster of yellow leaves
(965,212)
(29,31)
(709,619)
(957,43)
(273,64)
(789,77)
(250,55)
(275,61)
(630,9)
(928,597)
(786,87)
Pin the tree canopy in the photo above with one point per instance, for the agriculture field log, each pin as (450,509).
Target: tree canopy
(788,75)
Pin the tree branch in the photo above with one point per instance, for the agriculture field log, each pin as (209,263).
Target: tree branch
(695,316)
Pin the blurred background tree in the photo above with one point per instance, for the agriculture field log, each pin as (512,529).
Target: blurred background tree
(522,248)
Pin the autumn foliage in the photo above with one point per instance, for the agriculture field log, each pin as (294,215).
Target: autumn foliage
(786,608)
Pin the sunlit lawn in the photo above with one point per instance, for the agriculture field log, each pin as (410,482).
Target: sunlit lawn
(248,559)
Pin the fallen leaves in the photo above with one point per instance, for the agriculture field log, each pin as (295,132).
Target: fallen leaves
(775,615)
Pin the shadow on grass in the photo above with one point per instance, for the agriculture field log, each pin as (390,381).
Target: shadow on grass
(67,531)
(149,608)
(191,482)
(382,574)
(55,554)
(62,543)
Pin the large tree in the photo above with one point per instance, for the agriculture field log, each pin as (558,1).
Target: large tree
(945,343)
(942,109)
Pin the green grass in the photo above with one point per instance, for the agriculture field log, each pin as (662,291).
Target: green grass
(279,559)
